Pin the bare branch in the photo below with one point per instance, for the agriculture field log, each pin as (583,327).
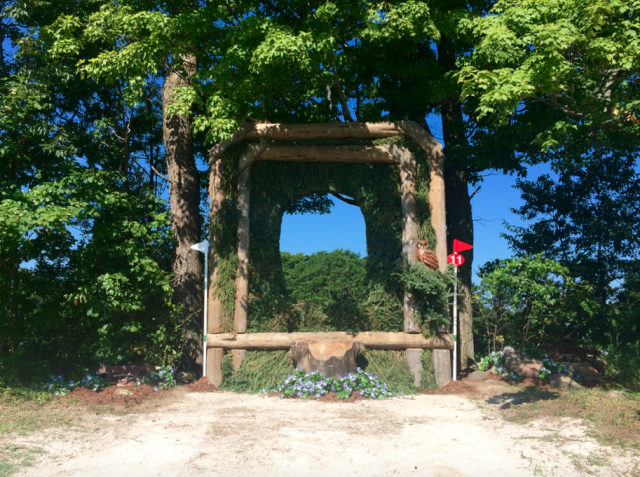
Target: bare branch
(474,192)
(343,99)
(344,199)
(160,175)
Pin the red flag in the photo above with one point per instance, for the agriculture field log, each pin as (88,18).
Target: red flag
(459,246)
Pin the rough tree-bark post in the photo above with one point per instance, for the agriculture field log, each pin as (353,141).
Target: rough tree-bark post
(459,214)
(409,249)
(241,309)
(216,308)
(216,199)
(242,276)
(437,204)
(184,200)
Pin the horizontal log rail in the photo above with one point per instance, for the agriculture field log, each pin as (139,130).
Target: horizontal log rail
(349,154)
(370,339)
(324,131)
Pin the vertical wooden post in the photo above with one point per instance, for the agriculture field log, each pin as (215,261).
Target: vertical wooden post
(437,205)
(441,358)
(216,309)
(409,249)
(242,276)
(409,228)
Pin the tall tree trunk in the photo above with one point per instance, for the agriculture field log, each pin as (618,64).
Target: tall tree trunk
(185,212)
(459,216)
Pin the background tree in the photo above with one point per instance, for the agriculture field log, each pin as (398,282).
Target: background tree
(578,65)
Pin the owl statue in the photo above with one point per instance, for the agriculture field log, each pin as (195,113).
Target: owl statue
(426,256)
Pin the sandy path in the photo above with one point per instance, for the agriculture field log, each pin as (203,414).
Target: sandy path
(241,435)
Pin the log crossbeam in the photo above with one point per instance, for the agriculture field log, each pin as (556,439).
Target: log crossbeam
(370,339)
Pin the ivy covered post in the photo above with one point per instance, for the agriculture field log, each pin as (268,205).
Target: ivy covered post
(409,249)
(216,308)
(241,308)
(437,206)
(216,200)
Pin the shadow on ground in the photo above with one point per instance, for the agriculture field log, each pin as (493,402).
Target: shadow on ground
(527,395)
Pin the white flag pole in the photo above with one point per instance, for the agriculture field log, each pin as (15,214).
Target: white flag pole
(204,248)
(455,323)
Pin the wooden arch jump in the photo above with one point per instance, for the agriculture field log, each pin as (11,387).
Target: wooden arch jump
(411,339)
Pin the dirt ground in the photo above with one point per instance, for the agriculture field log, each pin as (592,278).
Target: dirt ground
(221,433)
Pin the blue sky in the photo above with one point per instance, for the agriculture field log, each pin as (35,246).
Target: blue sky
(344,227)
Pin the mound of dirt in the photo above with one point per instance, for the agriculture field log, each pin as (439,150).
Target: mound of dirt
(203,385)
(126,396)
(454,387)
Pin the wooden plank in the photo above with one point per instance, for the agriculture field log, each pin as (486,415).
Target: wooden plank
(409,228)
(216,199)
(219,149)
(330,154)
(414,360)
(371,340)
(242,274)
(249,156)
(237,358)
(214,365)
(324,130)
(437,204)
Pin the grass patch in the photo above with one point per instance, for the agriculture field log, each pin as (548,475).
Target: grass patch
(23,411)
(264,369)
(13,458)
(391,366)
(614,420)
(260,370)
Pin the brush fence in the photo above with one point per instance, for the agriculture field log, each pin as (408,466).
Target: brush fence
(411,339)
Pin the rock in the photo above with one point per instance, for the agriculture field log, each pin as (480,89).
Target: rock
(600,364)
(582,369)
(617,394)
(493,370)
(122,392)
(522,364)
(478,376)
(560,381)
(593,381)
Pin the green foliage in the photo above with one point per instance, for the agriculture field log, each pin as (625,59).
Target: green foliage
(587,219)
(624,364)
(578,58)
(162,379)
(428,379)
(85,242)
(432,290)
(260,370)
(527,301)
(392,368)
(333,282)
(265,369)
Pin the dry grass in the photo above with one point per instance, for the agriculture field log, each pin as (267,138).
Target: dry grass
(22,412)
(614,418)
(25,411)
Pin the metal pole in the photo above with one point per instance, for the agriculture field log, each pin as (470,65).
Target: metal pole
(206,289)
(455,324)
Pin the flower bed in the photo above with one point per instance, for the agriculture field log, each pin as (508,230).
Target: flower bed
(303,385)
